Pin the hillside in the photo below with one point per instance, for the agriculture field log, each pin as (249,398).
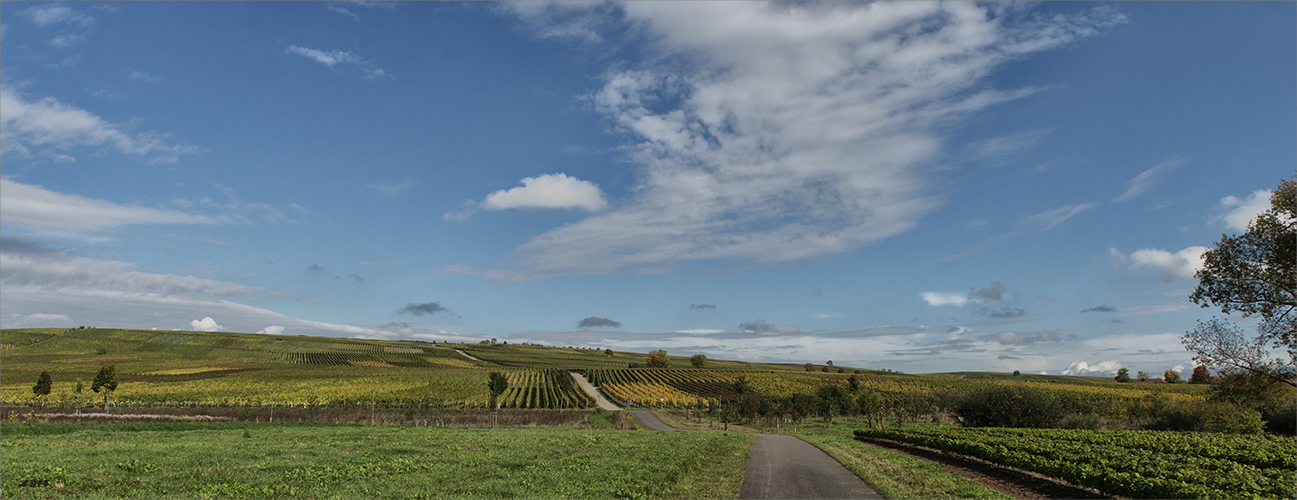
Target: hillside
(180,367)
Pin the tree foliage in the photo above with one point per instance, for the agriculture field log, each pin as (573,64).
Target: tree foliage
(43,385)
(1223,344)
(658,359)
(1200,375)
(1254,273)
(698,360)
(1171,377)
(497,383)
(1123,375)
(105,381)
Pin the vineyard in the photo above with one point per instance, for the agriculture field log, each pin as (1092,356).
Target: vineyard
(172,368)
(1133,464)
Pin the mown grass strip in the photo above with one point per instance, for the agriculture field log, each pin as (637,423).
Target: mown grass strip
(895,475)
(347,461)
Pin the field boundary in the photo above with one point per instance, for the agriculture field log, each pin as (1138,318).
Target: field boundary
(992,475)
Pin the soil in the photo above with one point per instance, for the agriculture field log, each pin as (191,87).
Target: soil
(1016,483)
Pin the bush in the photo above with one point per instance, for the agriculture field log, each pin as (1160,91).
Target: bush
(1010,406)
(1171,377)
(658,359)
(1209,417)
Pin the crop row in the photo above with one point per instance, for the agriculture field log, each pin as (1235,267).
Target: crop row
(1136,464)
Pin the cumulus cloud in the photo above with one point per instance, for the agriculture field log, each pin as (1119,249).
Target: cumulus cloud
(596,322)
(762,327)
(772,132)
(1237,213)
(46,15)
(336,58)
(1100,368)
(271,330)
(1146,179)
(1178,265)
(35,207)
(206,325)
(548,191)
(51,126)
(428,308)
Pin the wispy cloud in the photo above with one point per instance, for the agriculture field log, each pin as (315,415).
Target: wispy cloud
(53,14)
(762,327)
(775,132)
(336,58)
(53,128)
(427,308)
(34,207)
(1146,179)
(1058,215)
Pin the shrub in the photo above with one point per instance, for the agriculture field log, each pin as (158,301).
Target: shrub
(1209,417)
(658,359)
(810,367)
(698,360)
(1171,377)
(1010,406)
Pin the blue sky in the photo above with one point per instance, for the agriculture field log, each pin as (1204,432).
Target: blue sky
(913,186)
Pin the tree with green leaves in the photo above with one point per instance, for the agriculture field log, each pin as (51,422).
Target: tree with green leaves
(742,385)
(810,367)
(497,383)
(1200,375)
(106,382)
(698,360)
(833,401)
(43,385)
(1141,375)
(1171,377)
(1123,375)
(1254,273)
(853,383)
(658,359)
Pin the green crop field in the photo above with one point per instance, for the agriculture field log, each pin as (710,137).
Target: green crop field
(214,460)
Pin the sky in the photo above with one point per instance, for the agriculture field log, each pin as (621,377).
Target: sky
(921,187)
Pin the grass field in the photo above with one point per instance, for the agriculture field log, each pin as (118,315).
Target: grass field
(241,460)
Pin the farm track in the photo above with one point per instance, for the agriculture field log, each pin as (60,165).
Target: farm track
(1013,482)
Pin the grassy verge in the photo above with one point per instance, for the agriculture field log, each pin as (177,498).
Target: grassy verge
(892,474)
(239,460)
(895,475)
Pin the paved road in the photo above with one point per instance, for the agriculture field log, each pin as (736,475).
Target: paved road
(589,389)
(649,419)
(787,467)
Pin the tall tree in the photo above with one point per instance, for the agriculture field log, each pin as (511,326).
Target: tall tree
(1254,273)
(105,381)
(43,384)
(497,383)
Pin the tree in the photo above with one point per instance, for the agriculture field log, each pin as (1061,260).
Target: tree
(1200,375)
(43,385)
(1254,273)
(607,352)
(853,383)
(833,401)
(1171,377)
(698,360)
(742,385)
(1123,375)
(1223,344)
(497,383)
(810,367)
(1141,375)
(658,359)
(105,380)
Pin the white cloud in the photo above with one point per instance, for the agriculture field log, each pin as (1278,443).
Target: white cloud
(23,263)
(340,57)
(1100,368)
(548,191)
(1239,212)
(945,298)
(776,132)
(1145,180)
(38,320)
(1058,216)
(46,15)
(35,207)
(47,122)
(1181,264)
(762,327)
(206,325)
(272,330)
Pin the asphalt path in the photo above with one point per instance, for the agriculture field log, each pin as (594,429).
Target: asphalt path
(787,467)
(651,421)
(589,389)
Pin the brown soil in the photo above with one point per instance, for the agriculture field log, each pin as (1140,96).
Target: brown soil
(1013,482)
